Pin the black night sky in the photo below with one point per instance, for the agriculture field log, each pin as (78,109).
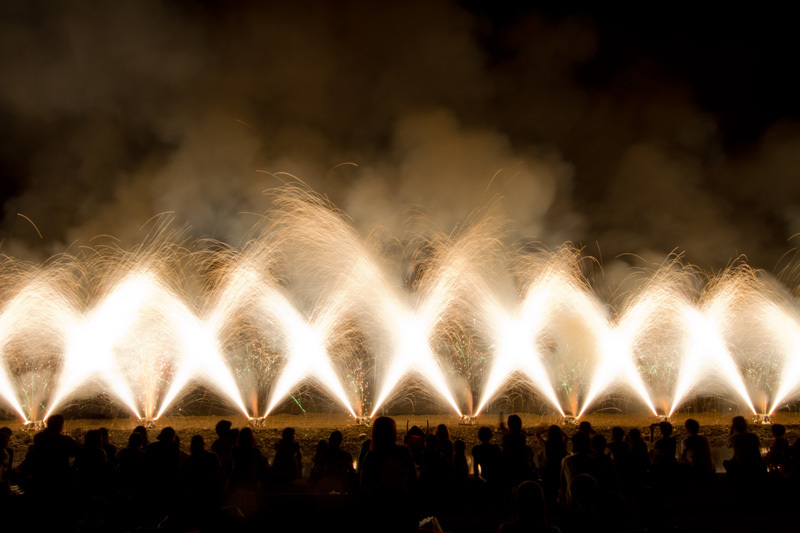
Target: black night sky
(640,131)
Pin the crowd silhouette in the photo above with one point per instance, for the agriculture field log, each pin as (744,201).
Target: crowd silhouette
(544,482)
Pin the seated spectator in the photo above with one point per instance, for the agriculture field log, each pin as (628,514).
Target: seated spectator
(696,452)
(746,463)
(777,458)
(663,454)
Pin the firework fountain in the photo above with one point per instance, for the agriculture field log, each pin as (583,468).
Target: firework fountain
(310,307)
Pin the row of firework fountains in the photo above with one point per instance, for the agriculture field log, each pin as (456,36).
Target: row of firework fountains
(461,320)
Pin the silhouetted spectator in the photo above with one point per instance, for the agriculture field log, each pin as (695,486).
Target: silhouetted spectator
(746,463)
(603,465)
(580,462)
(247,462)
(47,461)
(317,462)
(554,449)
(665,448)
(460,464)
(287,466)
(143,432)
(586,427)
(5,436)
(131,464)
(110,449)
(91,465)
(696,452)
(388,479)
(338,474)
(621,456)
(517,455)
(582,509)
(640,457)
(436,474)
(223,447)
(366,443)
(415,440)
(778,456)
(5,462)
(201,479)
(444,442)
(487,457)
(162,458)
(529,514)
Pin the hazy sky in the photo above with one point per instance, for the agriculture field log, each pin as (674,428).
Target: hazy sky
(627,132)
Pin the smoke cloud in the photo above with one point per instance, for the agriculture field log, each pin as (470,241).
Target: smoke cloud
(117,111)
